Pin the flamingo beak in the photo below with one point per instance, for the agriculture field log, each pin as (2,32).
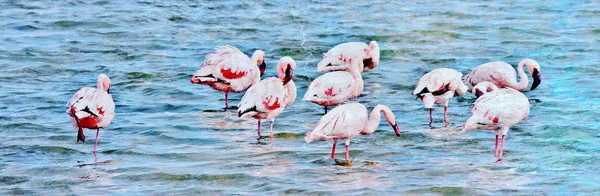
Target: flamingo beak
(396,130)
(262,68)
(289,72)
(478,93)
(537,79)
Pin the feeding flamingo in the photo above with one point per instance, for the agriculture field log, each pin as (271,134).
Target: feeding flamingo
(269,97)
(333,60)
(503,75)
(347,121)
(334,88)
(229,70)
(92,108)
(437,87)
(498,110)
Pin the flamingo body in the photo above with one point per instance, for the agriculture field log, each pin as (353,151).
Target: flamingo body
(335,59)
(333,88)
(438,87)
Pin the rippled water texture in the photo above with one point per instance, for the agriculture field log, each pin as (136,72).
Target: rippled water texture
(172,137)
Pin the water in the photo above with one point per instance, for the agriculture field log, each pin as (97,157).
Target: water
(172,137)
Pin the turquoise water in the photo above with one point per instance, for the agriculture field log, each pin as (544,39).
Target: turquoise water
(172,137)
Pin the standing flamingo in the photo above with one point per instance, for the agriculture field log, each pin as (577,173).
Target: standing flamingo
(334,88)
(437,87)
(92,108)
(498,110)
(229,70)
(333,60)
(268,98)
(347,121)
(503,75)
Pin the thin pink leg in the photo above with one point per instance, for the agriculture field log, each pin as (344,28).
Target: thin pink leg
(496,149)
(259,128)
(347,153)
(226,100)
(430,115)
(333,149)
(501,148)
(446,114)
(96,142)
(271,127)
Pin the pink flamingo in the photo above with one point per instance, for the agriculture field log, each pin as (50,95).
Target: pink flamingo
(482,88)
(269,97)
(437,87)
(92,108)
(333,60)
(503,75)
(334,88)
(498,110)
(229,70)
(347,121)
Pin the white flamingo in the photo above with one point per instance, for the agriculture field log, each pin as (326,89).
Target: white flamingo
(439,86)
(268,98)
(347,121)
(503,75)
(229,70)
(92,108)
(498,110)
(334,88)
(334,59)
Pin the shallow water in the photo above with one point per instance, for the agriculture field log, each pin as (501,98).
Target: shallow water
(173,137)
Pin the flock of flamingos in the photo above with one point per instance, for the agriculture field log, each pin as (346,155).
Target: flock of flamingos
(499,105)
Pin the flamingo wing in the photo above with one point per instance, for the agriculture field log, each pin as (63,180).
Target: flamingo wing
(265,96)
(332,86)
(497,72)
(94,103)
(229,65)
(502,108)
(337,57)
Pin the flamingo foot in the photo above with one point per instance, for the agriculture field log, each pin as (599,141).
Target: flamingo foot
(80,135)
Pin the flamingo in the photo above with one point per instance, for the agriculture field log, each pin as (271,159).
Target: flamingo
(437,87)
(347,121)
(498,110)
(483,87)
(334,88)
(269,97)
(229,70)
(92,108)
(503,75)
(333,60)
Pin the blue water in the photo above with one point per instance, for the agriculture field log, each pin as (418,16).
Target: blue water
(172,137)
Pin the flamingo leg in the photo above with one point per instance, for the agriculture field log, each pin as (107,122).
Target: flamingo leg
(347,153)
(259,128)
(446,114)
(430,115)
(501,148)
(496,149)
(333,149)
(325,109)
(226,100)
(271,126)
(96,142)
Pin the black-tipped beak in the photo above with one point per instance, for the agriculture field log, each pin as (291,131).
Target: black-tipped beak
(537,79)
(262,68)
(108,91)
(478,93)
(396,130)
(289,73)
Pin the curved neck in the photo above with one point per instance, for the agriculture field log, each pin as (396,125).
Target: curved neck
(291,92)
(373,122)
(523,80)
(357,78)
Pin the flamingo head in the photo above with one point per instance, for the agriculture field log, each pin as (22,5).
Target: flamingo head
(259,57)
(372,58)
(534,68)
(285,69)
(103,83)
(483,87)
(396,130)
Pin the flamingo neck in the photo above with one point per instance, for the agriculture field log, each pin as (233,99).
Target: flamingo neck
(523,80)
(375,117)
(291,92)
